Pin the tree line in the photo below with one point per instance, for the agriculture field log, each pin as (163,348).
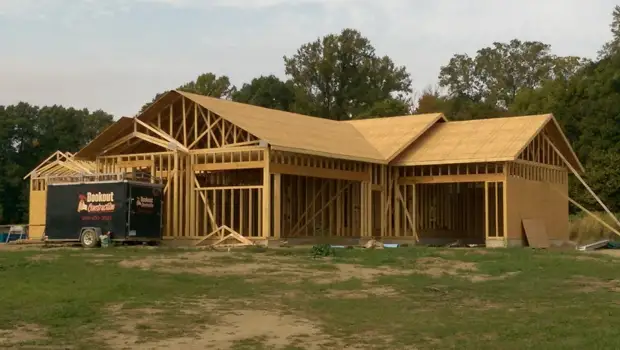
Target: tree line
(341,76)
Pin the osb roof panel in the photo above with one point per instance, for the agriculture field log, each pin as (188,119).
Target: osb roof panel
(391,135)
(292,131)
(485,140)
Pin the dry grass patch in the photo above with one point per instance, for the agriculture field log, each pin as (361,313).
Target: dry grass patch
(590,284)
(438,267)
(259,267)
(25,333)
(384,292)
(146,328)
(43,257)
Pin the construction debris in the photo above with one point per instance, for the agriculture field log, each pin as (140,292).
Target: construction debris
(373,244)
(594,246)
(238,240)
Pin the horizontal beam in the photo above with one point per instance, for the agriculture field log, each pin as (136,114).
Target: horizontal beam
(143,163)
(221,188)
(542,165)
(443,179)
(229,166)
(227,150)
(336,174)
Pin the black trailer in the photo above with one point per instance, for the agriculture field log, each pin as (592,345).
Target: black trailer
(124,210)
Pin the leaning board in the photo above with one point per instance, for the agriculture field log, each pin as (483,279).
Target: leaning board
(536,233)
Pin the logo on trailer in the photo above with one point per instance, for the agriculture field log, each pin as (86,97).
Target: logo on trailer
(144,202)
(96,202)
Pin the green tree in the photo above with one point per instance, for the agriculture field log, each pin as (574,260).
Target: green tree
(587,107)
(268,92)
(28,134)
(612,46)
(497,73)
(339,76)
(457,107)
(207,84)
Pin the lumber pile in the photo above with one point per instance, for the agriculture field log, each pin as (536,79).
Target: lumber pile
(226,238)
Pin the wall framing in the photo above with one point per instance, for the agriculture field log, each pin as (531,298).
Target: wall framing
(218,174)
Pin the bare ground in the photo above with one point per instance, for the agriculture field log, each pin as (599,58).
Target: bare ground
(21,334)
(228,327)
(437,267)
(589,284)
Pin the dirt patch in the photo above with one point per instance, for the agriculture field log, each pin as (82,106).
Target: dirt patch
(479,305)
(586,258)
(273,329)
(590,285)
(259,268)
(438,267)
(95,255)
(277,331)
(609,252)
(385,292)
(43,257)
(22,334)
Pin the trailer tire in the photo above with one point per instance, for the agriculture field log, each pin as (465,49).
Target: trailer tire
(89,238)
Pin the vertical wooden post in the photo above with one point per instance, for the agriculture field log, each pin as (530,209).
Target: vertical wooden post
(175,197)
(192,195)
(505,199)
(339,209)
(184,121)
(382,177)
(363,210)
(397,204)
(277,205)
(266,200)
(486,209)
(414,211)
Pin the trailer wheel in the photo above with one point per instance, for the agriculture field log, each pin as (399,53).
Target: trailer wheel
(89,238)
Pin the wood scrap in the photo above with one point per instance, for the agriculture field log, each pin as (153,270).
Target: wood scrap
(536,233)
(224,234)
(232,234)
(373,244)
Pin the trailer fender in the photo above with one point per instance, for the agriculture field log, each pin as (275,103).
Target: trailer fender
(89,230)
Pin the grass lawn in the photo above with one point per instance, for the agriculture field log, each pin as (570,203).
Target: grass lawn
(405,298)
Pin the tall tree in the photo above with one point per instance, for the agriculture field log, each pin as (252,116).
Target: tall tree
(340,77)
(457,107)
(613,46)
(28,134)
(499,72)
(267,91)
(207,84)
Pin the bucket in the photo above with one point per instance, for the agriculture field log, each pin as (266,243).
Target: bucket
(105,241)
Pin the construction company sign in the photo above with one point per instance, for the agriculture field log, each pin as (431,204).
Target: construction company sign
(96,202)
(145,202)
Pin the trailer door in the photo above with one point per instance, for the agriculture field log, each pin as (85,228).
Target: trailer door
(145,212)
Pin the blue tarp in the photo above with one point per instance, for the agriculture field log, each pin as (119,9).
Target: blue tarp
(11,237)
(613,245)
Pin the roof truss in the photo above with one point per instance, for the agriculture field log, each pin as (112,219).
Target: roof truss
(181,124)
(61,163)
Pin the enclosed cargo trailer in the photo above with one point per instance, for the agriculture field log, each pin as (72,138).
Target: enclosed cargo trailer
(123,210)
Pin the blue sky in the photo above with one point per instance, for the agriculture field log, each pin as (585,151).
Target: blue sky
(116,54)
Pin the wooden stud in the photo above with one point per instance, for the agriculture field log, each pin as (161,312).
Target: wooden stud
(277,205)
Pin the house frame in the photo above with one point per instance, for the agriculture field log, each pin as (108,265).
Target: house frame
(270,175)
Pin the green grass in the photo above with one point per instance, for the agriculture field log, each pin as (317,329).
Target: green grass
(539,306)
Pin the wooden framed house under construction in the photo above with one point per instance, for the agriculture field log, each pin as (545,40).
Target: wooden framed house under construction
(271,175)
